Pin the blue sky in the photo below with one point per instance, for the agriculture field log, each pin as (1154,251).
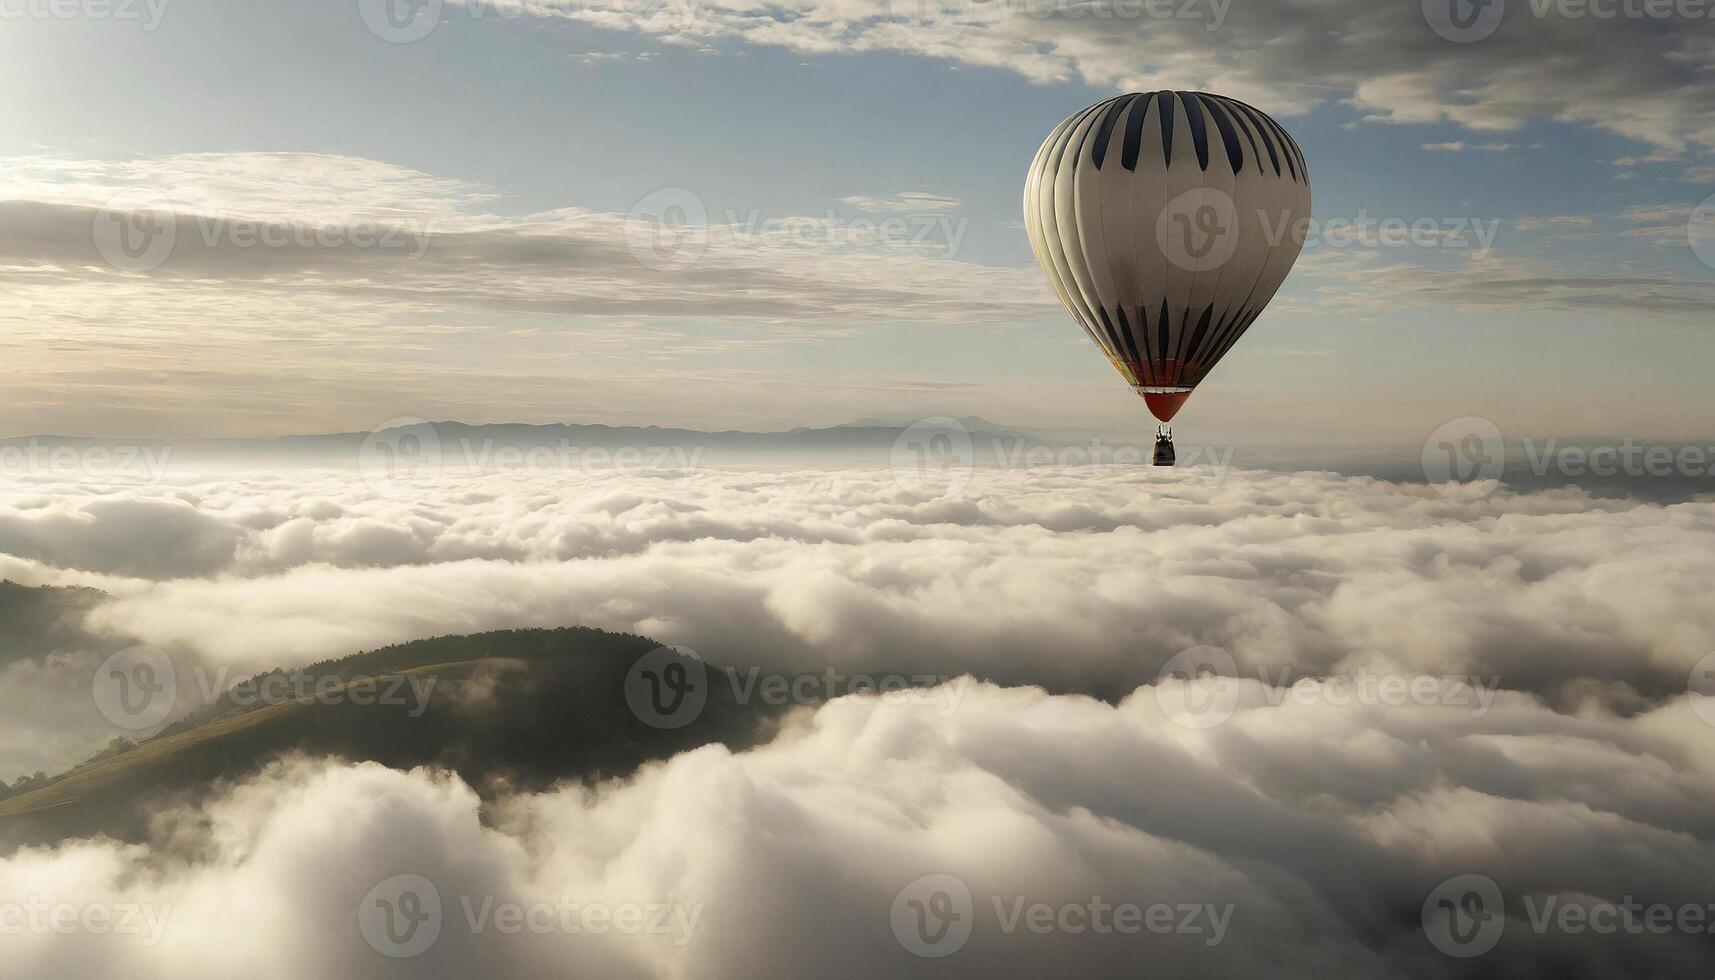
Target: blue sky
(1586,314)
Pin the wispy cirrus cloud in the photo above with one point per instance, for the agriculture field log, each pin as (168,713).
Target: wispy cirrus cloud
(236,280)
(1646,77)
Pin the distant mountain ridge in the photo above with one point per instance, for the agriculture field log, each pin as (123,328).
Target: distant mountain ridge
(972,423)
(863,441)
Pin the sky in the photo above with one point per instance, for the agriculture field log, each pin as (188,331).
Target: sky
(471,199)
(366,211)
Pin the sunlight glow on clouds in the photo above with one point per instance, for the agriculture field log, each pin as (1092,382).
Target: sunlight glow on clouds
(1113,569)
(1313,835)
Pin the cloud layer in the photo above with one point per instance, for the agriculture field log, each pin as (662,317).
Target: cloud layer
(1292,840)
(1078,578)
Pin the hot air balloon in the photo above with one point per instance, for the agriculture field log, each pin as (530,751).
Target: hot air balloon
(1166,221)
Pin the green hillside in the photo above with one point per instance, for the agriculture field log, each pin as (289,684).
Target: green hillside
(506,709)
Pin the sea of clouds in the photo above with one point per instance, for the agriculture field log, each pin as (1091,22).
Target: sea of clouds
(1421,684)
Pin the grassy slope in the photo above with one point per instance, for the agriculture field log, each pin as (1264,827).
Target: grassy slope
(525,707)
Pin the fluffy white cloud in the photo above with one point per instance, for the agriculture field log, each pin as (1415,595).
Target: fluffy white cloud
(1307,838)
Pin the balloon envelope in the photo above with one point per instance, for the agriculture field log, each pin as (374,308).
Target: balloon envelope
(1166,221)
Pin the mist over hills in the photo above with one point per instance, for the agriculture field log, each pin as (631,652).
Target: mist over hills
(508,710)
(39,621)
